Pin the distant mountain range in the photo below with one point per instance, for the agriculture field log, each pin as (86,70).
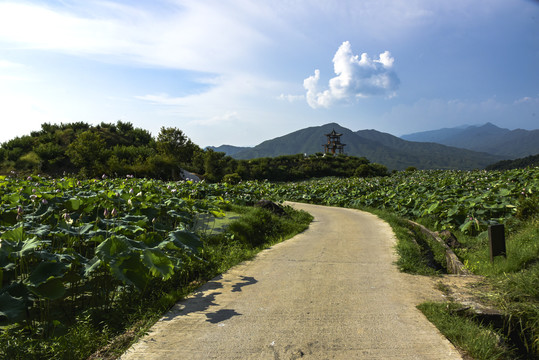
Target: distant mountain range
(487,138)
(378,147)
(230,150)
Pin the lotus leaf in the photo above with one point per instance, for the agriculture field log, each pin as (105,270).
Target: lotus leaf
(12,309)
(51,289)
(158,263)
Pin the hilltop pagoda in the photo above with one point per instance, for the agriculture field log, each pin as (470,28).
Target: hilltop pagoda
(334,146)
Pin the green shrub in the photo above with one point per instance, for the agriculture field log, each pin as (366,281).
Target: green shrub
(260,226)
(527,207)
(29,161)
(233,179)
(255,227)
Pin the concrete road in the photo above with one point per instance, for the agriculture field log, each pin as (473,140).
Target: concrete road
(331,292)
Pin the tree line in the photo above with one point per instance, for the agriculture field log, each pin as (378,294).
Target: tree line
(120,149)
(522,163)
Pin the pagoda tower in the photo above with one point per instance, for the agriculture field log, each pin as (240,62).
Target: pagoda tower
(333,145)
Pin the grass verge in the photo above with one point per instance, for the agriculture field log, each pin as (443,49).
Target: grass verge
(415,256)
(480,341)
(513,280)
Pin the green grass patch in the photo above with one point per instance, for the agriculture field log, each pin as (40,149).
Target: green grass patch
(414,257)
(522,248)
(514,281)
(514,278)
(481,341)
(248,234)
(518,297)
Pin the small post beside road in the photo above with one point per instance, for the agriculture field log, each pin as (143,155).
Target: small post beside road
(496,241)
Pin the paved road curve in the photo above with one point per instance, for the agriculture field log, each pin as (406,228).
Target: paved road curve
(331,292)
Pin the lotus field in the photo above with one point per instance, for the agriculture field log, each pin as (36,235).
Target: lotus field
(68,244)
(468,200)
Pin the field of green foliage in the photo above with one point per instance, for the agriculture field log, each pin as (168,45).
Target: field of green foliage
(465,200)
(71,249)
(92,253)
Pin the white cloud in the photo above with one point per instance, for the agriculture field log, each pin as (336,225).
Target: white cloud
(6,64)
(191,35)
(291,98)
(13,72)
(22,114)
(527,100)
(228,99)
(160,99)
(228,117)
(356,77)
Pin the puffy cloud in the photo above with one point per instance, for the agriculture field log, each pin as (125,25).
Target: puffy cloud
(356,77)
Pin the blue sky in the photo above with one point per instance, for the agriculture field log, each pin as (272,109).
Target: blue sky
(240,72)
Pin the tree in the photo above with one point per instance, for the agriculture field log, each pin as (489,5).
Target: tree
(52,155)
(88,152)
(214,165)
(173,143)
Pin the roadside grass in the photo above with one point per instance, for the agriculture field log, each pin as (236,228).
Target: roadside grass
(414,254)
(247,234)
(518,297)
(522,247)
(107,333)
(513,280)
(480,341)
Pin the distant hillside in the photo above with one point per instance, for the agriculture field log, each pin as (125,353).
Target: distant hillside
(486,138)
(378,147)
(227,149)
(523,163)
(437,136)
(305,141)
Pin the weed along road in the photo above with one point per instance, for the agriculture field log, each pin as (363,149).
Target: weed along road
(331,292)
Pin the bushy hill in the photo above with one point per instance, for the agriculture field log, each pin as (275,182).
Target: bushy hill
(115,149)
(120,149)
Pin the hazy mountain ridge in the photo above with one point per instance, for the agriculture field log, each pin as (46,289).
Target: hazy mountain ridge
(382,148)
(228,149)
(485,138)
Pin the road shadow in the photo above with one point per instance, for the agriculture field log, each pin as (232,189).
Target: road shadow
(221,315)
(246,281)
(201,301)
(205,298)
